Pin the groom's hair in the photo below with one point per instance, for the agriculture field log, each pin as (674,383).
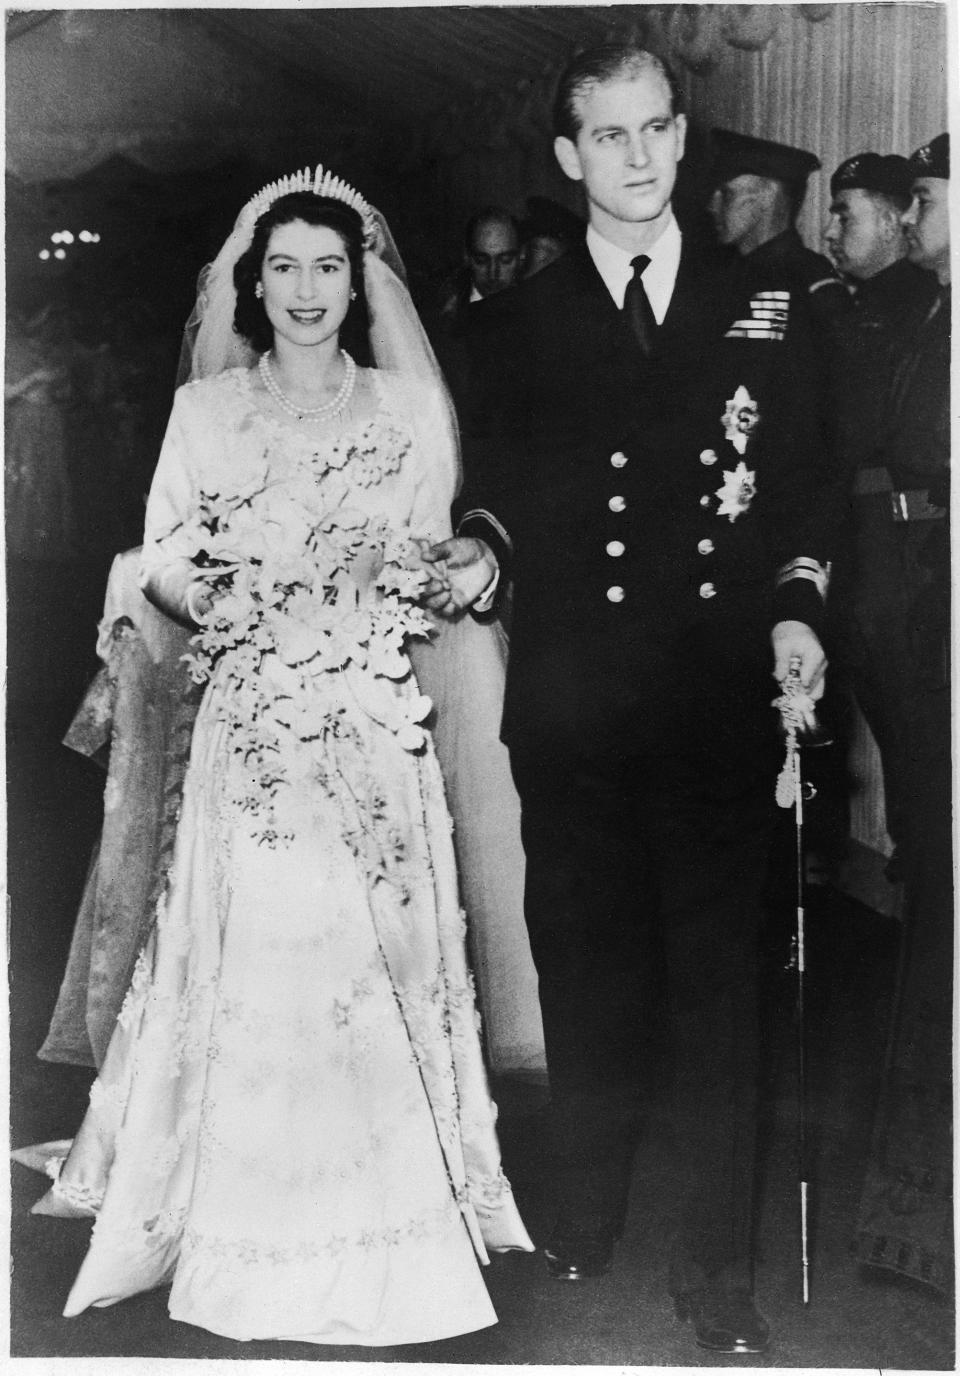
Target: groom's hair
(598,66)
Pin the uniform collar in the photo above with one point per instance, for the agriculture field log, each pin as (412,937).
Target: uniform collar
(615,267)
(901,280)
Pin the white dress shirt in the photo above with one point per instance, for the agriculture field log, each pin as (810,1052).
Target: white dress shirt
(615,267)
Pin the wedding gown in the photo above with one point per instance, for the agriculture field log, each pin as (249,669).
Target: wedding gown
(292,1123)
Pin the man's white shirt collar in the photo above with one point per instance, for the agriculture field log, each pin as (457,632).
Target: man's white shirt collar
(615,267)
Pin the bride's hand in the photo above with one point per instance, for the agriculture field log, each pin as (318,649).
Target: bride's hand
(207,587)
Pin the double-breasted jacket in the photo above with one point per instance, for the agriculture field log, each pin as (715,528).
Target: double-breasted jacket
(654,516)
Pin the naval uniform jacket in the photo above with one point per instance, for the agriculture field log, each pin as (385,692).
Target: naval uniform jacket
(644,534)
(785,261)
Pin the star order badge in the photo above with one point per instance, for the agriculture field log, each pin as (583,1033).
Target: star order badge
(738,491)
(740,419)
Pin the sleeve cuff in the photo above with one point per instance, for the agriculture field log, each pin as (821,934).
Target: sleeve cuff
(800,592)
(808,569)
(483,525)
(485,601)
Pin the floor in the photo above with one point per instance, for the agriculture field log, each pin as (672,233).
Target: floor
(854,1320)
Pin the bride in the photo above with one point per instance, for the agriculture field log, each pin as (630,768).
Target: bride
(292,1122)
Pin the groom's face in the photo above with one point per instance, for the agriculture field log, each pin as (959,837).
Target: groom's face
(627,148)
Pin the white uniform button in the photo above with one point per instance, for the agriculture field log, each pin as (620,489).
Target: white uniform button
(705,547)
(707,590)
(705,500)
(615,594)
(615,548)
(617,503)
(708,456)
(619,459)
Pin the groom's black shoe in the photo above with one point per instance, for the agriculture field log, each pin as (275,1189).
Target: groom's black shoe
(575,1253)
(724,1320)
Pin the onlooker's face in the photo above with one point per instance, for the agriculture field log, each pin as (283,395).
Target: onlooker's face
(863,234)
(927,225)
(306,282)
(735,206)
(495,258)
(626,151)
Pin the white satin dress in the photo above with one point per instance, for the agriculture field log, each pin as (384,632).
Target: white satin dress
(292,1125)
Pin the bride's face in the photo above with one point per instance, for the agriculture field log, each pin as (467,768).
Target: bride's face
(306,283)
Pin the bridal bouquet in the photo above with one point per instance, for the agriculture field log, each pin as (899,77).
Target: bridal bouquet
(302,594)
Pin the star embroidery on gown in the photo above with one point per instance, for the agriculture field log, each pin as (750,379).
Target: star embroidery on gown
(738,491)
(740,419)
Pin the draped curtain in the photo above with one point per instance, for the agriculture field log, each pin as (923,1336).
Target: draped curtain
(868,76)
(171,92)
(836,79)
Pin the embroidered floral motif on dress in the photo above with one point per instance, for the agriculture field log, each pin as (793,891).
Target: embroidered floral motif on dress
(248,1252)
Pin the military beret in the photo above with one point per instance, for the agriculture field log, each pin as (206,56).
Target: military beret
(735,154)
(891,175)
(933,159)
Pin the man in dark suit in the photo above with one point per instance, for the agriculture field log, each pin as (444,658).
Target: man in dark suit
(640,466)
(493,260)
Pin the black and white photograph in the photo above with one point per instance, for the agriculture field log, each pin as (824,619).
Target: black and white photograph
(478,723)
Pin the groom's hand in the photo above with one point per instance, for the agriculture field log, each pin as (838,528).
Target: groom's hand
(795,642)
(462,570)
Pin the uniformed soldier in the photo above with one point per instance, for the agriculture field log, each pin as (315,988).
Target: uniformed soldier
(906,1214)
(640,456)
(865,237)
(760,186)
(916,453)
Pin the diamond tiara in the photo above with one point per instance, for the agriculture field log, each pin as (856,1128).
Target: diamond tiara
(321,183)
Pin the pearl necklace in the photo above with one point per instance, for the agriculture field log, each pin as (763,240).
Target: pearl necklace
(310,413)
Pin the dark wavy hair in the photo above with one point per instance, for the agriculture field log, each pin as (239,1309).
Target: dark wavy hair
(250,319)
(598,66)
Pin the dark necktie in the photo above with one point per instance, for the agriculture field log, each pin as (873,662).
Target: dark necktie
(637,308)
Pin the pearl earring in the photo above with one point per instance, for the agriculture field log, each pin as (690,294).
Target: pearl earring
(258,290)
(353,293)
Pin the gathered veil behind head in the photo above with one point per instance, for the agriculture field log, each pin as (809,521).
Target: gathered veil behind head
(399,344)
(398,341)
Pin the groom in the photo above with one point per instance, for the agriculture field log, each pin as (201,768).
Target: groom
(641,450)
